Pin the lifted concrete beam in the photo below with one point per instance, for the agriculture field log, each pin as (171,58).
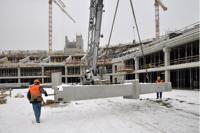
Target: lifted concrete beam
(131,90)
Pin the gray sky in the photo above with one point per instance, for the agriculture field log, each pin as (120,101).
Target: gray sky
(24,23)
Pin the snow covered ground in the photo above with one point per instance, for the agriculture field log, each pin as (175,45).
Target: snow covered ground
(178,112)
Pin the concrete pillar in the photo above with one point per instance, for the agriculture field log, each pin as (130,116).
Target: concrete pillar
(66,81)
(136,59)
(167,75)
(167,63)
(56,79)
(19,75)
(166,56)
(42,74)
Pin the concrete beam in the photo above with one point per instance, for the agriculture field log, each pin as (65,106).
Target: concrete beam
(131,90)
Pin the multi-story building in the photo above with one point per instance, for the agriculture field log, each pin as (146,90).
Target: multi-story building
(175,57)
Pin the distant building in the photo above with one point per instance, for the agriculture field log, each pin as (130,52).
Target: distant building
(74,46)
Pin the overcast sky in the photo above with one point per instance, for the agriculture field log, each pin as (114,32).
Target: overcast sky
(24,23)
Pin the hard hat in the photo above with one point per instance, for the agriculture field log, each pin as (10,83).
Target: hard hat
(36,81)
(87,70)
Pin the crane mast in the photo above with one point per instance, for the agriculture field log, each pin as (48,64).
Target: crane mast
(61,5)
(94,33)
(50,26)
(158,3)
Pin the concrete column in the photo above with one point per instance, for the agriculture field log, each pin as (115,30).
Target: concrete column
(56,80)
(167,63)
(19,75)
(66,81)
(166,56)
(42,74)
(167,75)
(136,59)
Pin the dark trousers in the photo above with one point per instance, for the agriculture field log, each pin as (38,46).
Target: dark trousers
(159,95)
(37,110)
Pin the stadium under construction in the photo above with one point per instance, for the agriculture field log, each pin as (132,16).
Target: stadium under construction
(175,56)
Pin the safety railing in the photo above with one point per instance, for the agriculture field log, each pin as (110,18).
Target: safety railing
(126,68)
(152,65)
(104,62)
(187,59)
(72,62)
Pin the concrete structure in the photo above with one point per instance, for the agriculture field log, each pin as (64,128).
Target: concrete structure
(131,90)
(26,72)
(175,57)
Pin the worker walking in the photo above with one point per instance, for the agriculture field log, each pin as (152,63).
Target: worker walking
(34,95)
(158,81)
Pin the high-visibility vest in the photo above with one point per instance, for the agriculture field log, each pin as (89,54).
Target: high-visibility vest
(35,91)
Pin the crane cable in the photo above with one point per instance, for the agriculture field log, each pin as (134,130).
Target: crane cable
(111,31)
(140,42)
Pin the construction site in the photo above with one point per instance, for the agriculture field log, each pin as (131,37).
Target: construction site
(175,56)
(144,85)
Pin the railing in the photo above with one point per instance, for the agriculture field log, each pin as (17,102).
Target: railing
(73,62)
(8,74)
(187,59)
(73,73)
(152,65)
(102,62)
(126,68)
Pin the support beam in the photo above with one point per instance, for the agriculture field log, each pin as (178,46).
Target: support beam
(66,81)
(42,68)
(136,59)
(167,63)
(19,75)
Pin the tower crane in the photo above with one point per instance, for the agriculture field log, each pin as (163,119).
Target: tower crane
(62,6)
(158,3)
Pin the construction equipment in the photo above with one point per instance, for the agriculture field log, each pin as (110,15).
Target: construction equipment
(61,5)
(94,32)
(158,3)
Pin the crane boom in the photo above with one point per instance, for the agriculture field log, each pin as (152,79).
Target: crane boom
(94,33)
(162,5)
(63,10)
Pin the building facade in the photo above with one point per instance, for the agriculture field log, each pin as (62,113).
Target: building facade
(175,57)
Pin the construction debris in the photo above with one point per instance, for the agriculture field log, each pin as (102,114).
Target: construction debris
(3,95)
(19,95)
(48,102)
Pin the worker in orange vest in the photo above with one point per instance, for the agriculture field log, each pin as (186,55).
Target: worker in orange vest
(158,81)
(35,97)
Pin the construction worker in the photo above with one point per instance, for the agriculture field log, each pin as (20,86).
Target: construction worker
(158,81)
(35,97)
